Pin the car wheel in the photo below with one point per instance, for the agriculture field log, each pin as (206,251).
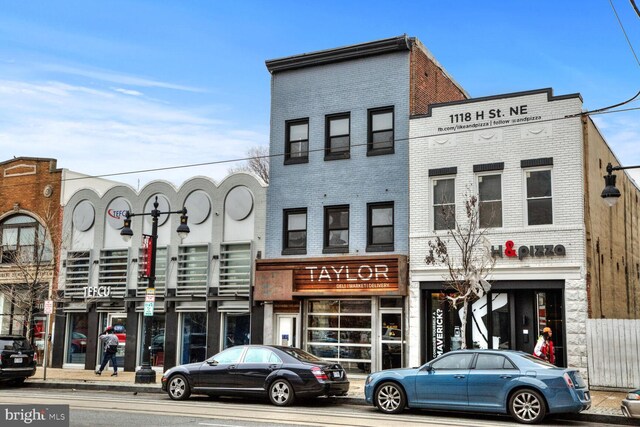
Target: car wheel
(527,406)
(390,398)
(178,388)
(281,393)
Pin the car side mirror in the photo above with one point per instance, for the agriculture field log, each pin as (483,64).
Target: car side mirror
(212,362)
(427,368)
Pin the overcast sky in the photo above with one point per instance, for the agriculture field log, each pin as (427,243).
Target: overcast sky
(117,86)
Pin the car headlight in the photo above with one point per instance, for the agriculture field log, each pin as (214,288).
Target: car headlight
(633,396)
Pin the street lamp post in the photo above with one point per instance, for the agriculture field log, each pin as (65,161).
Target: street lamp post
(146,374)
(611,194)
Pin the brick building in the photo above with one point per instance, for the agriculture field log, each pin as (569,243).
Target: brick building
(30,215)
(536,165)
(334,277)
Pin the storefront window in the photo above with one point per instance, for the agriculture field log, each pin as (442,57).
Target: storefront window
(341,330)
(194,337)
(236,330)
(479,322)
(156,351)
(446,326)
(501,319)
(77,338)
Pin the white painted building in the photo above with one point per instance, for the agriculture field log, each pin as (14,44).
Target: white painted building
(522,154)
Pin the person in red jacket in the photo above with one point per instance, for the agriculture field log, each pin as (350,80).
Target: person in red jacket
(544,347)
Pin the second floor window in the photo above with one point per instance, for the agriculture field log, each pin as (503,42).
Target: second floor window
(380,138)
(380,231)
(444,205)
(295,232)
(297,141)
(336,229)
(337,136)
(490,200)
(539,200)
(24,241)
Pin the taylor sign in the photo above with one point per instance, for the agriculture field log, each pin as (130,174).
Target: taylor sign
(339,273)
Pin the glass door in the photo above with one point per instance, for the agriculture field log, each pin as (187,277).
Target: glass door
(391,341)
(287,330)
(118,321)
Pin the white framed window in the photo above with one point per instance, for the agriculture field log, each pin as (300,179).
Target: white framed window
(444,203)
(539,196)
(490,200)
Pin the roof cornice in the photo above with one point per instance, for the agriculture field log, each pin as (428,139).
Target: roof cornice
(321,57)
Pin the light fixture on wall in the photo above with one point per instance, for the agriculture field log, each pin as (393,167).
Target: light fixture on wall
(146,374)
(611,194)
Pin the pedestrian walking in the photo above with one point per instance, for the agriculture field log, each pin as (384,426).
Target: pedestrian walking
(110,342)
(544,347)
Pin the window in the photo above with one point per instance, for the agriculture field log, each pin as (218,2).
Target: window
(380,230)
(337,137)
(492,361)
(453,361)
(24,241)
(228,356)
(539,201)
(161,273)
(380,138)
(261,355)
(78,267)
(193,270)
(297,142)
(235,269)
(444,205)
(336,229)
(490,200)
(114,266)
(294,241)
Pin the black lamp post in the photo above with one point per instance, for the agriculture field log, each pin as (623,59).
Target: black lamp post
(611,194)
(146,374)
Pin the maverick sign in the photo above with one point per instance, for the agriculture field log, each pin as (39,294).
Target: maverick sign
(281,279)
(530,251)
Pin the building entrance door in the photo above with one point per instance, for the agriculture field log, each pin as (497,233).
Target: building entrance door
(287,330)
(391,338)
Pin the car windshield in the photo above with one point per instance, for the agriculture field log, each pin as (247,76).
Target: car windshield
(301,355)
(540,362)
(14,344)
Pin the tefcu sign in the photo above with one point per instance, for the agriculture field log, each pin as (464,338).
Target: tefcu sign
(99,292)
(534,251)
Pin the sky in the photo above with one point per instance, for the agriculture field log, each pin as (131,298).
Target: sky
(119,86)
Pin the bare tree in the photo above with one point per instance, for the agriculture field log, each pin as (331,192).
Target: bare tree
(31,261)
(466,255)
(257,162)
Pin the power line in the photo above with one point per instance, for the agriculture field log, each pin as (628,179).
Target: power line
(624,31)
(399,140)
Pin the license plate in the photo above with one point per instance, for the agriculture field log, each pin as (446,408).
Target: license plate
(17,360)
(337,375)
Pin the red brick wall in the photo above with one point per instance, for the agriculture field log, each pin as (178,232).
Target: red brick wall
(22,186)
(429,83)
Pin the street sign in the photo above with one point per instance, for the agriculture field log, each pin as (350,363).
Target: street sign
(148,308)
(149,298)
(48,306)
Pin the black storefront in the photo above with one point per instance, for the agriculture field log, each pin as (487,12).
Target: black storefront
(511,316)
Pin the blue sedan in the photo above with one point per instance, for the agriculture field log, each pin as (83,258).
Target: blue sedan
(493,381)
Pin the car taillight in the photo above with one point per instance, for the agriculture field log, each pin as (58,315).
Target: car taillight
(568,380)
(319,373)
(35,357)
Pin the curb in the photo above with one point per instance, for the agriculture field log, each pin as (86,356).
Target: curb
(358,401)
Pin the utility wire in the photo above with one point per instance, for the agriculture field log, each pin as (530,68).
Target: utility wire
(623,30)
(462,131)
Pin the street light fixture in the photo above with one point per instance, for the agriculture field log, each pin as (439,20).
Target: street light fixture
(611,194)
(146,374)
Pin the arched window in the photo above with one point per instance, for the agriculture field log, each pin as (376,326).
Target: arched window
(24,240)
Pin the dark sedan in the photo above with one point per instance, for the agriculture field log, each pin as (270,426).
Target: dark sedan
(494,381)
(281,373)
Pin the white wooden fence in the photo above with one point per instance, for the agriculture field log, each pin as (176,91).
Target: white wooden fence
(613,350)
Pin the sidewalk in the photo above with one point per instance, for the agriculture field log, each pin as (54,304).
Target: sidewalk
(605,405)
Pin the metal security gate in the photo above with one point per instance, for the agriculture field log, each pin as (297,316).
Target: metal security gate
(613,349)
